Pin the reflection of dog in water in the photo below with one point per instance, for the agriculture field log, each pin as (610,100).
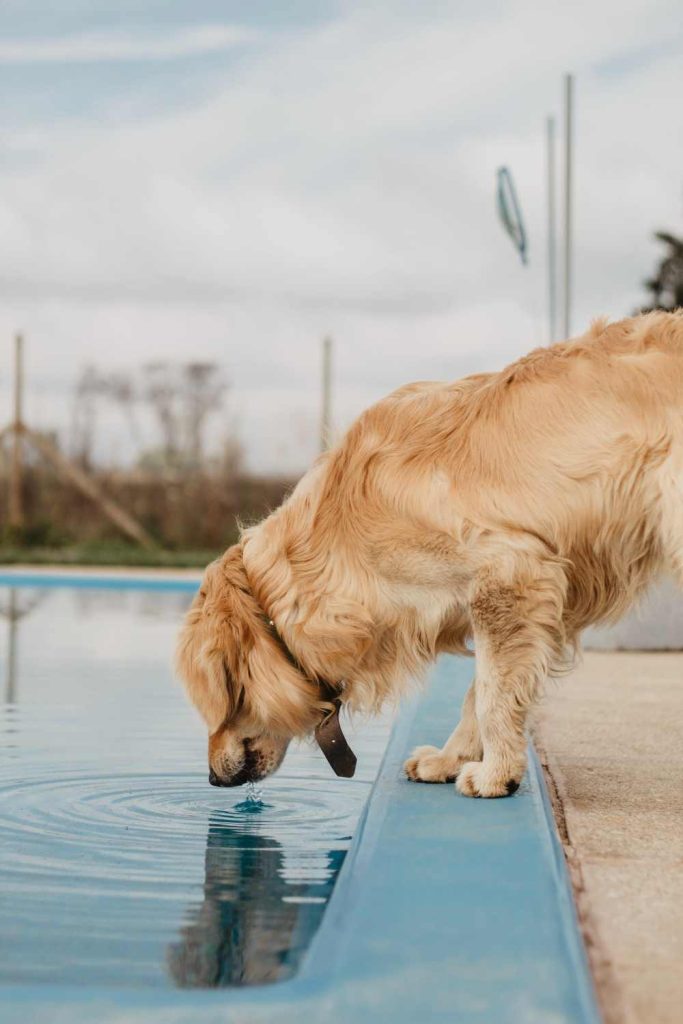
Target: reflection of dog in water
(251,927)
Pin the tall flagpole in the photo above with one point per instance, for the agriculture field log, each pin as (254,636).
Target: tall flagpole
(568,185)
(326,406)
(16,507)
(552,261)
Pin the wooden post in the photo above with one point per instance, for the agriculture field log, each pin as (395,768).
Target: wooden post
(125,522)
(16,508)
(326,411)
(21,433)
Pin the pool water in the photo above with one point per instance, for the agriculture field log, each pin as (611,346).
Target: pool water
(119,864)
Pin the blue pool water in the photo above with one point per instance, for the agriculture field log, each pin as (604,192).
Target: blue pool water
(119,864)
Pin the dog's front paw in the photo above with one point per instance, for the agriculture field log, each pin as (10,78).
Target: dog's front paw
(477,778)
(429,764)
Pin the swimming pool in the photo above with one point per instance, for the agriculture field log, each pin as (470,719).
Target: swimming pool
(132,891)
(119,864)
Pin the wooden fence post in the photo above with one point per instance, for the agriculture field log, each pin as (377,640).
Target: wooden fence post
(66,469)
(16,506)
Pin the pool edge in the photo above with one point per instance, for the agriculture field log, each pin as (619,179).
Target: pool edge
(353,967)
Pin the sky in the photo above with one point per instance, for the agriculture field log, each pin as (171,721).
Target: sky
(232,182)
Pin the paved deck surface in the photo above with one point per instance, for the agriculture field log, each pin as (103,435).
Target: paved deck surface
(612,737)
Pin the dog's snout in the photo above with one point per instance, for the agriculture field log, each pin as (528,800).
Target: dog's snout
(243,759)
(247,773)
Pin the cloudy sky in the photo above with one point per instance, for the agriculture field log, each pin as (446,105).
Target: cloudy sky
(213,180)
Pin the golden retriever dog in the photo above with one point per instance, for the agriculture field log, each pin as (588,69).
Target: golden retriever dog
(505,511)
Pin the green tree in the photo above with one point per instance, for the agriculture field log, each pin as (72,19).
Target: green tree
(666,287)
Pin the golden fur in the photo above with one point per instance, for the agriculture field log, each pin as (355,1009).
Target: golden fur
(509,509)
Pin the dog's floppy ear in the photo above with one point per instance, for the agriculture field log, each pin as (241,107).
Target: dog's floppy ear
(200,662)
(229,658)
(214,637)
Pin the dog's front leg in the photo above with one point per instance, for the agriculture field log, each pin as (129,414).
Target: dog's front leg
(431,764)
(518,636)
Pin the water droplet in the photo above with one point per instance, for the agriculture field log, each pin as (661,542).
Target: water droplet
(253,793)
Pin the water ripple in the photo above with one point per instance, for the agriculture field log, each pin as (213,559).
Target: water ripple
(101,826)
(119,864)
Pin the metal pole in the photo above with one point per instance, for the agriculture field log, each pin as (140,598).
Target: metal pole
(16,509)
(326,413)
(552,268)
(568,158)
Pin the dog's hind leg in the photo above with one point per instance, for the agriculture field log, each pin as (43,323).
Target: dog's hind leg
(518,638)
(434,764)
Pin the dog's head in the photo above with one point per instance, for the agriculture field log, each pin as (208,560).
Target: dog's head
(253,698)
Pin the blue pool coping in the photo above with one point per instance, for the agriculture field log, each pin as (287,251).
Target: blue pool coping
(445,909)
(161,581)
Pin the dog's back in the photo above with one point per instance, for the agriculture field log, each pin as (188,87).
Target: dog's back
(579,444)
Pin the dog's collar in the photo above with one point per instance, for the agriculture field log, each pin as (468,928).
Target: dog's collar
(331,739)
(328,731)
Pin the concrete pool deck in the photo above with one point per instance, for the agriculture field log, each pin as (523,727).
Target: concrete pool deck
(610,736)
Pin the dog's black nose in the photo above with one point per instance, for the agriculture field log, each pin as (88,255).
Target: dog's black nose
(213,778)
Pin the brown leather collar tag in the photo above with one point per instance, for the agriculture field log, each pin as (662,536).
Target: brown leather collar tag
(332,742)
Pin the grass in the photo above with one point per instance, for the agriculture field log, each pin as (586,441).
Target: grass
(104,552)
